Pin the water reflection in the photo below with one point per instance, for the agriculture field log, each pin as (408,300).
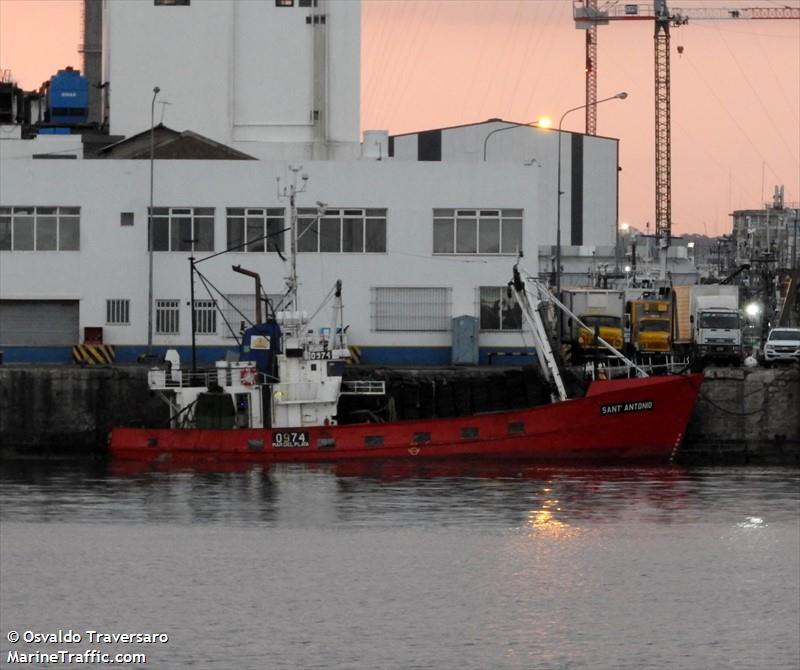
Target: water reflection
(545,521)
(551,501)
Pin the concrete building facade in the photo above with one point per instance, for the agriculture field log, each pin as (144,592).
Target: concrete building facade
(269,78)
(416,239)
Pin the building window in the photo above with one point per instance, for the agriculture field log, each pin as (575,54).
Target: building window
(342,230)
(40,228)
(126,218)
(239,311)
(498,310)
(168,314)
(411,309)
(284,3)
(205,317)
(165,3)
(477,231)
(183,229)
(255,229)
(118,312)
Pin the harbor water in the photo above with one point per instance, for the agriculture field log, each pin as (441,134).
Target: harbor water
(388,566)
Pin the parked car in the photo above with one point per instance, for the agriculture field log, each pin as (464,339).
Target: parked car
(783,344)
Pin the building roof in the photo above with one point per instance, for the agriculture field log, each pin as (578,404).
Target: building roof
(497,120)
(172,145)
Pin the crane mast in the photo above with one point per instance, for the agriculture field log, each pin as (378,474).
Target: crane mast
(591,74)
(663,134)
(588,16)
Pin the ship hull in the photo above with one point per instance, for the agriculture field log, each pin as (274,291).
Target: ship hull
(630,420)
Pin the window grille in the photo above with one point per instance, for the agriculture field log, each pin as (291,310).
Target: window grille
(498,311)
(255,228)
(411,309)
(341,230)
(477,231)
(168,317)
(118,311)
(183,228)
(205,317)
(40,228)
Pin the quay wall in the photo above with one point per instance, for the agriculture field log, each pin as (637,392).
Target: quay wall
(743,416)
(66,409)
(747,416)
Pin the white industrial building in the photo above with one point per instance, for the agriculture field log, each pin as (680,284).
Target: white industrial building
(420,228)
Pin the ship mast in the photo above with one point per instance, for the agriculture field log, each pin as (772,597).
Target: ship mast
(290,192)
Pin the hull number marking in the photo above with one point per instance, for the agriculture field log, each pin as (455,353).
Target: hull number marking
(320,355)
(290,439)
(622,407)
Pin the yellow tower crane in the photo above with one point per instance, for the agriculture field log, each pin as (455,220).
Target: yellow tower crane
(588,15)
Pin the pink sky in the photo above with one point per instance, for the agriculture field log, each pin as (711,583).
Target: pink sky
(428,64)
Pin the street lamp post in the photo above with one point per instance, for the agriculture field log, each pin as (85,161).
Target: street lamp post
(620,96)
(532,124)
(156,90)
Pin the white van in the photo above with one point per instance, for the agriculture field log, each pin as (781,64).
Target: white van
(783,344)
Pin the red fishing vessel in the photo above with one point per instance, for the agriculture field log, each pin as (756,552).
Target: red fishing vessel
(617,420)
(282,405)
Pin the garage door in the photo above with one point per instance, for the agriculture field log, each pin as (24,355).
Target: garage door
(27,323)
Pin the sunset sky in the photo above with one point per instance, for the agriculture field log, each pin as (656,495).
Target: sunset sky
(429,64)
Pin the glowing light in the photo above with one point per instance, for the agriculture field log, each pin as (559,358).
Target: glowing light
(753,309)
(544,122)
(625,227)
(627,268)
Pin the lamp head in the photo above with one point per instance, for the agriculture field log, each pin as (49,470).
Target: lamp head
(621,95)
(156,89)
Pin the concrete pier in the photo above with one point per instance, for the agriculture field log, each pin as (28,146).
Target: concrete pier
(746,416)
(69,409)
(743,416)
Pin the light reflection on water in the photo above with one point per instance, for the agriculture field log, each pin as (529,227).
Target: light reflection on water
(390,565)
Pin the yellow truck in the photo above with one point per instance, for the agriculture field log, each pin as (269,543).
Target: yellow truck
(600,312)
(650,326)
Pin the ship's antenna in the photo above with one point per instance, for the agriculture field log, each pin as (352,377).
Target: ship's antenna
(290,192)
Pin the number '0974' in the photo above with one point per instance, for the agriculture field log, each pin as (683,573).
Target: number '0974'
(289,439)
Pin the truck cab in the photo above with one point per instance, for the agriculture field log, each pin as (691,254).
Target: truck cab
(718,329)
(606,326)
(599,313)
(650,326)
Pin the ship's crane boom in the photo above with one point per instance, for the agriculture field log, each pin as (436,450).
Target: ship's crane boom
(588,15)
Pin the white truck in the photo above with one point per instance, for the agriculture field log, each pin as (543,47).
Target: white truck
(716,323)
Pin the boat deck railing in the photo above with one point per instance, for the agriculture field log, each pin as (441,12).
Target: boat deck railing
(176,379)
(366,387)
(612,369)
(163,380)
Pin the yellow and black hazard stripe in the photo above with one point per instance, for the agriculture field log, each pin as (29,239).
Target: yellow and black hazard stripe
(355,354)
(93,354)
